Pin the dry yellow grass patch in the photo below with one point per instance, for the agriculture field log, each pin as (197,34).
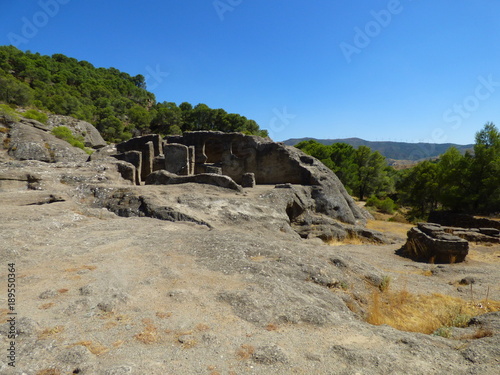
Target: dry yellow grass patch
(202,327)
(149,335)
(118,343)
(49,371)
(48,332)
(391,227)
(46,306)
(347,241)
(245,351)
(95,348)
(272,327)
(163,315)
(424,313)
(263,258)
(81,268)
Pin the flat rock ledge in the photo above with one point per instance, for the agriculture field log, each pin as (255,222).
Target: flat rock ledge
(430,243)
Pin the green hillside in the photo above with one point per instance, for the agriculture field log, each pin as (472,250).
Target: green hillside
(117,103)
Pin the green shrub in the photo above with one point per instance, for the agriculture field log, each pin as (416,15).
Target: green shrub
(7,114)
(386,205)
(64,133)
(36,115)
(373,201)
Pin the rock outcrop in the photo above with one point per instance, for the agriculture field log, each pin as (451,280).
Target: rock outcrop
(91,136)
(167,178)
(28,142)
(453,219)
(430,243)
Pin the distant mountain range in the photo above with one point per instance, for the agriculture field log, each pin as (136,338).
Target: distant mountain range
(393,150)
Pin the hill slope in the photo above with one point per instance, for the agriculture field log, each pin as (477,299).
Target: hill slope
(118,104)
(392,150)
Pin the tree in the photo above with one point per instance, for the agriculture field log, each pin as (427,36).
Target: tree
(168,118)
(485,170)
(419,188)
(370,172)
(139,117)
(14,92)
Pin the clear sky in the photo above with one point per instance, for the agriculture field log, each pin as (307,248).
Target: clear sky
(401,70)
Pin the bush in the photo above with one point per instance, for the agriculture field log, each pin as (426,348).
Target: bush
(7,114)
(386,205)
(36,115)
(64,133)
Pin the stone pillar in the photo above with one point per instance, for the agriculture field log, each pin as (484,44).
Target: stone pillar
(148,154)
(248,180)
(192,151)
(176,158)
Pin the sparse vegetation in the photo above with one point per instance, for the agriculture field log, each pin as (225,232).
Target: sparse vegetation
(434,313)
(245,351)
(64,133)
(149,335)
(95,348)
(7,114)
(49,371)
(36,115)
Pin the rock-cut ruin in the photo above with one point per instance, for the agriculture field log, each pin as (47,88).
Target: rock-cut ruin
(318,204)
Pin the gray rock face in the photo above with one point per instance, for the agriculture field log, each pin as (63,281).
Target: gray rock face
(30,143)
(176,159)
(92,137)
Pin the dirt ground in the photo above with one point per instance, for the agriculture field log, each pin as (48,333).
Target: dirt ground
(102,294)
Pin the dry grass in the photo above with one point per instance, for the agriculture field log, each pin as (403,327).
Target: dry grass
(202,327)
(390,227)
(118,343)
(272,327)
(350,240)
(95,348)
(49,371)
(424,313)
(149,335)
(48,332)
(46,306)
(245,351)
(163,315)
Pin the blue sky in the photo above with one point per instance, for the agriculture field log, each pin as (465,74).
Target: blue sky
(402,70)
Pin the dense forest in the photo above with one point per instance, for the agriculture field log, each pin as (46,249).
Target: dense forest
(468,182)
(117,103)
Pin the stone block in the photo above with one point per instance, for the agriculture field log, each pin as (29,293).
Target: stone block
(429,243)
(248,180)
(134,158)
(176,158)
(158,163)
